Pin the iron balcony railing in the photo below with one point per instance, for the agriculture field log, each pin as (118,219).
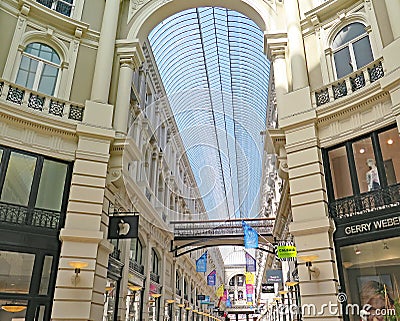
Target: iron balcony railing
(21,215)
(154,277)
(349,84)
(364,203)
(116,254)
(136,267)
(29,99)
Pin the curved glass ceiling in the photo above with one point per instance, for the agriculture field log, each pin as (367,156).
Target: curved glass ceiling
(216,76)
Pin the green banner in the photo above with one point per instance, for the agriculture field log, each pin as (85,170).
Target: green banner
(286,251)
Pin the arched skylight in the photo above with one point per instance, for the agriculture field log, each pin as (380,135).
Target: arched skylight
(216,76)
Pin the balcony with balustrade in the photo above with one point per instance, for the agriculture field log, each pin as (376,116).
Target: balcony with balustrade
(29,100)
(348,86)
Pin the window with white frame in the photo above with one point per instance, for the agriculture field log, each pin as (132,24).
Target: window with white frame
(39,68)
(351,49)
(62,6)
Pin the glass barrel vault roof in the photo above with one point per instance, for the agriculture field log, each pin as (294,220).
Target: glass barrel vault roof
(216,76)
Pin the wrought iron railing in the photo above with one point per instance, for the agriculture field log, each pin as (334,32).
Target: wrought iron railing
(40,102)
(154,277)
(136,267)
(116,254)
(346,86)
(21,215)
(365,203)
(63,7)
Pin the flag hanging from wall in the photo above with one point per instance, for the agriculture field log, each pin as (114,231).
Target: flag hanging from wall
(201,263)
(228,302)
(212,278)
(220,291)
(250,263)
(250,236)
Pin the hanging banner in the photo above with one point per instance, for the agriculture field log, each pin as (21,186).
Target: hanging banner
(206,300)
(249,278)
(250,263)
(228,302)
(225,296)
(286,252)
(201,263)
(212,278)
(250,236)
(220,291)
(249,288)
(267,288)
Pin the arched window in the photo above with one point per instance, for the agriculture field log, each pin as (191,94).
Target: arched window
(154,262)
(240,295)
(136,251)
(351,49)
(39,68)
(232,281)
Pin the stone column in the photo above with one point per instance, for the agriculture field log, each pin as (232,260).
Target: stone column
(146,303)
(280,74)
(296,46)
(311,226)
(123,95)
(105,53)
(83,234)
(393,10)
(163,297)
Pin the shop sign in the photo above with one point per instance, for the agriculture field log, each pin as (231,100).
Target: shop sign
(123,227)
(375,225)
(201,297)
(267,288)
(286,251)
(274,276)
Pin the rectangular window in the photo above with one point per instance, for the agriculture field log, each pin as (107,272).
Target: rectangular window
(364,159)
(362,52)
(46,272)
(371,274)
(343,62)
(389,142)
(51,185)
(340,173)
(15,272)
(19,177)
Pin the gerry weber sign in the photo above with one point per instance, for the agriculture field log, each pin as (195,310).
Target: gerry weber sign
(369,225)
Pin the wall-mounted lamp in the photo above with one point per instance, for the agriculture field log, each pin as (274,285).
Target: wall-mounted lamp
(13,307)
(170,301)
(291,283)
(77,265)
(181,305)
(155,295)
(188,308)
(309,259)
(134,287)
(357,250)
(283,292)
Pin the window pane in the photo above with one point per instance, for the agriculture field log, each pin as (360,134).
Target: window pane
(343,62)
(26,73)
(39,315)
(366,268)
(18,181)
(46,271)
(367,172)
(390,147)
(340,173)
(347,34)
(51,185)
(363,52)
(15,271)
(48,80)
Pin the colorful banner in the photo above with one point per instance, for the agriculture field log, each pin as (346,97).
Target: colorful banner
(250,236)
(220,291)
(228,302)
(249,288)
(212,278)
(250,263)
(249,278)
(274,276)
(225,296)
(201,263)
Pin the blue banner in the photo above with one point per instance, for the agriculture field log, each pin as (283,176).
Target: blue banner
(250,236)
(201,263)
(250,263)
(228,302)
(212,278)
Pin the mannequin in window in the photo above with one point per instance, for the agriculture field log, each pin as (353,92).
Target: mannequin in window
(372,176)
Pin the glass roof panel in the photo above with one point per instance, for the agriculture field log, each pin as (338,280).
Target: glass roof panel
(216,76)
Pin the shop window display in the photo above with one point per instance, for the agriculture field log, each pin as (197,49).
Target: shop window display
(372,277)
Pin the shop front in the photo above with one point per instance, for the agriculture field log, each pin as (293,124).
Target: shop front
(363,177)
